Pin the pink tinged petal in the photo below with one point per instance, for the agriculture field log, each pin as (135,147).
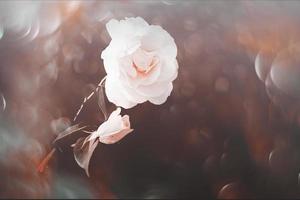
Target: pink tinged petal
(163,98)
(152,76)
(126,121)
(113,138)
(127,67)
(83,151)
(142,59)
(110,126)
(115,123)
(147,78)
(115,94)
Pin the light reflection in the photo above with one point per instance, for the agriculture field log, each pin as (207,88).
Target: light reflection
(231,191)
(263,63)
(3,102)
(49,19)
(18,15)
(285,72)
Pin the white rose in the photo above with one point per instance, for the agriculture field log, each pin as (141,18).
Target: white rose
(140,63)
(114,129)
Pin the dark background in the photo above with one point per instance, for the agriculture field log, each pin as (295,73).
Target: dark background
(228,130)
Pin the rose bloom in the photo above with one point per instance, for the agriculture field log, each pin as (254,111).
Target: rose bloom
(140,63)
(114,129)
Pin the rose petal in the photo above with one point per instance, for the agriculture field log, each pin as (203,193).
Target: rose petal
(157,39)
(110,58)
(147,79)
(152,76)
(127,68)
(163,98)
(126,121)
(169,70)
(132,45)
(154,90)
(133,95)
(113,138)
(125,91)
(115,113)
(114,129)
(133,26)
(169,50)
(113,28)
(114,125)
(115,94)
(111,126)
(142,59)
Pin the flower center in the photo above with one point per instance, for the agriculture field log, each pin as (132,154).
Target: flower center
(143,61)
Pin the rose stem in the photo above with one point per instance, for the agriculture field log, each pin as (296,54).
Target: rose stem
(88,97)
(41,167)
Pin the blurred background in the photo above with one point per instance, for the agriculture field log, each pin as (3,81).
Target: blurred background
(230,128)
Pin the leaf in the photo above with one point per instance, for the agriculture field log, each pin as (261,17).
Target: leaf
(69,131)
(101,101)
(83,151)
